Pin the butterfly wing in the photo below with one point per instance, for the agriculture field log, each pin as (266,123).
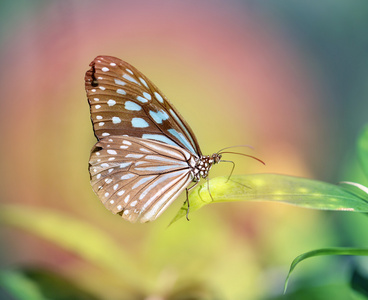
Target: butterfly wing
(138,178)
(125,102)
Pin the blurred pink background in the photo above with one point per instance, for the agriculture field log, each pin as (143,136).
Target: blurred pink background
(232,69)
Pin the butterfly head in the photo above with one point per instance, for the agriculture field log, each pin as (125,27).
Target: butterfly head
(216,158)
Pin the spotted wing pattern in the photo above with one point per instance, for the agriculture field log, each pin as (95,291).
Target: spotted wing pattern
(125,102)
(139,178)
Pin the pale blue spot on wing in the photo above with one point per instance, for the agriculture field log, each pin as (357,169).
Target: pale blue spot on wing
(160,138)
(119,82)
(144,83)
(127,176)
(141,99)
(142,181)
(159,98)
(174,115)
(147,96)
(129,105)
(123,165)
(159,168)
(162,159)
(139,123)
(116,120)
(121,92)
(160,180)
(127,77)
(111,102)
(159,116)
(134,155)
(182,139)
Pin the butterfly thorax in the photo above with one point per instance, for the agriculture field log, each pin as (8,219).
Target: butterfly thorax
(203,165)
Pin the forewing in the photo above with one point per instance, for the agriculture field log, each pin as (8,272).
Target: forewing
(138,178)
(125,102)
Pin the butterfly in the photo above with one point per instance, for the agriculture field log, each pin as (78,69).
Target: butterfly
(146,153)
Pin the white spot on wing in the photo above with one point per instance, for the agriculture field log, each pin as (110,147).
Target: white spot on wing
(159,98)
(99,117)
(134,155)
(116,120)
(121,92)
(141,99)
(144,150)
(119,82)
(105,134)
(127,176)
(104,69)
(124,165)
(111,151)
(147,96)
(142,181)
(111,102)
(144,82)
(168,151)
(127,77)
(166,200)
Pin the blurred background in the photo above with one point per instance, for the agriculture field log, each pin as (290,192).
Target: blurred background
(287,77)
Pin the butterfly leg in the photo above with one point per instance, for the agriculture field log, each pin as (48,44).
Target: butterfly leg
(232,170)
(231,173)
(187,200)
(208,188)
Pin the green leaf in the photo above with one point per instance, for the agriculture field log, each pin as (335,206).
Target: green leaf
(77,236)
(356,189)
(301,192)
(320,252)
(363,149)
(55,286)
(359,282)
(19,286)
